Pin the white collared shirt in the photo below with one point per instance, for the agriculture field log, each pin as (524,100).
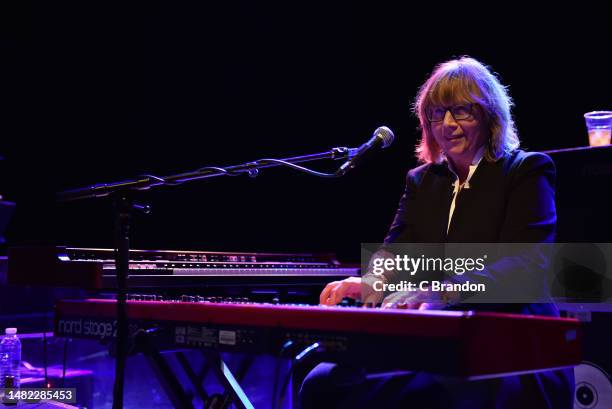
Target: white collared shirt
(465,185)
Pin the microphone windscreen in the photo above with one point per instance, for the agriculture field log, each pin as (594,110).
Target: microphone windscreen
(385,134)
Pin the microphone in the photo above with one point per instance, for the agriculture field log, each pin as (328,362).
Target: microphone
(382,138)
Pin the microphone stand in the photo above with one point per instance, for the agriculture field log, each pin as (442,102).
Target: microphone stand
(124,207)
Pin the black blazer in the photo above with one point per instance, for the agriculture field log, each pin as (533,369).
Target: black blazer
(511,200)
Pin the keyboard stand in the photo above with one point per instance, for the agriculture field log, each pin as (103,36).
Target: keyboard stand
(175,391)
(227,379)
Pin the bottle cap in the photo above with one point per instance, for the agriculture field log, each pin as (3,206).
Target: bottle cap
(10,331)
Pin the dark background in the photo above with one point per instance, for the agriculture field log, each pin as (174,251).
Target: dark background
(101,91)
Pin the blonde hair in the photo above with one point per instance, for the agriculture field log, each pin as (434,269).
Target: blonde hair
(466,80)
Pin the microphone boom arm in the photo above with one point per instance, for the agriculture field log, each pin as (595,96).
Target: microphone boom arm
(145,182)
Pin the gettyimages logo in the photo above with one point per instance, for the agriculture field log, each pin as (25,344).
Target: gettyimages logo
(413,265)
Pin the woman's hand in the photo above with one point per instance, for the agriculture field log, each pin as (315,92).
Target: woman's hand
(353,287)
(335,291)
(414,300)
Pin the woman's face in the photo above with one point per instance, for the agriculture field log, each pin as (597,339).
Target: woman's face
(460,130)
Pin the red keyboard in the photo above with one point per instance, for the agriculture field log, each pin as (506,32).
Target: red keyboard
(467,344)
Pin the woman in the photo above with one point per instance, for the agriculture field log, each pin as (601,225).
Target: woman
(475,186)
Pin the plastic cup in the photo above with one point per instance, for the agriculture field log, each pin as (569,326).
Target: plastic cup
(599,126)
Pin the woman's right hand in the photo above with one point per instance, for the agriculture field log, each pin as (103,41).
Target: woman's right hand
(353,287)
(335,291)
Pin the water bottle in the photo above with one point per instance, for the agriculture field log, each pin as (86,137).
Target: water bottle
(10,359)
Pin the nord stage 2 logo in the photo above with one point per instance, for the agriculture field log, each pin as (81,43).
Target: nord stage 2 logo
(101,329)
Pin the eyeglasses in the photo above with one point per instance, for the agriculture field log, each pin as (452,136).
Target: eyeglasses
(459,112)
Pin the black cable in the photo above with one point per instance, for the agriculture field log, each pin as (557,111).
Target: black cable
(219,170)
(159,179)
(260,162)
(284,348)
(300,168)
(306,352)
